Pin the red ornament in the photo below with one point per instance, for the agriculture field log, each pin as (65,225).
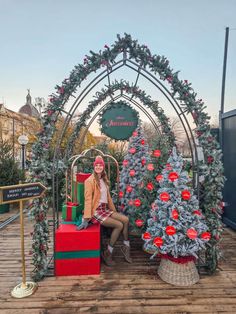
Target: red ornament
(185,195)
(150,167)
(129,188)
(168,167)
(130,202)
(142,142)
(137,202)
(135,133)
(206,236)
(199,133)
(122,206)
(222,205)
(170,230)
(197,212)
(194,114)
(125,162)
(192,233)
(61,90)
(164,196)
(146,236)
(158,241)
(139,222)
(210,159)
(175,214)
(150,186)
(132,173)
(143,162)
(132,150)
(121,194)
(173,176)
(159,177)
(156,153)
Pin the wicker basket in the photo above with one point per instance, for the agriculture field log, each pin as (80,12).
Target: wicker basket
(178,274)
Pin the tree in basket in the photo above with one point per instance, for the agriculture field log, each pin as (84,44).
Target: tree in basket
(176,229)
(131,180)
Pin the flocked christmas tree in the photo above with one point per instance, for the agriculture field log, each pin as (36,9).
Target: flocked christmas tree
(176,227)
(135,166)
(160,151)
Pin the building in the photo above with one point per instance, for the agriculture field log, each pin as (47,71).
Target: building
(13,124)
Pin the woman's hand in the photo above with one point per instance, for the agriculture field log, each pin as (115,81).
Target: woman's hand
(84,224)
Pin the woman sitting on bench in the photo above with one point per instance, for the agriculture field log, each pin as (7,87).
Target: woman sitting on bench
(99,207)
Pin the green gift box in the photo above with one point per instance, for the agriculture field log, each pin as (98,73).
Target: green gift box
(78,193)
(71,211)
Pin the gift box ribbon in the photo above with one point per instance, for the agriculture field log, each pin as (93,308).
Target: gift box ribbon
(77,254)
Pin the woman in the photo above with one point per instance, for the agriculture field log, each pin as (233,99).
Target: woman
(99,207)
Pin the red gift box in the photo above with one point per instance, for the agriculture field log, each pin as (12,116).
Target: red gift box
(70,239)
(81,177)
(77,252)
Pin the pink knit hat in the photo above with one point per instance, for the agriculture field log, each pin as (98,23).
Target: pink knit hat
(99,161)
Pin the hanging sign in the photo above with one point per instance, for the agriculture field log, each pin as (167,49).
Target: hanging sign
(21,192)
(119,121)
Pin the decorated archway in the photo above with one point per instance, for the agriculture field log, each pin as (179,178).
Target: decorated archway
(126,52)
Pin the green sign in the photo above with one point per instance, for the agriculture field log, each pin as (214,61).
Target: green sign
(119,120)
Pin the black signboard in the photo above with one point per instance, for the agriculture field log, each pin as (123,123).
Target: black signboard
(21,192)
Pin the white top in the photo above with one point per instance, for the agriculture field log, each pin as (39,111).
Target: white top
(103,188)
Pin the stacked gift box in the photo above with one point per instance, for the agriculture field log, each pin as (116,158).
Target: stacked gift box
(77,252)
(71,211)
(78,188)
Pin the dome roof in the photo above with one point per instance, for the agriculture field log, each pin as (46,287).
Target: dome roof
(28,108)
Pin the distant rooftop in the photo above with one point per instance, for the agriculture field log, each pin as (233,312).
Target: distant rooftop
(28,108)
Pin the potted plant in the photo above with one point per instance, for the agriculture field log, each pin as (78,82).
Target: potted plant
(10,173)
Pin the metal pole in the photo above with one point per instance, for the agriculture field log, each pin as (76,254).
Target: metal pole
(224,69)
(23,284)
(223,87)
(23,156)
(13,138)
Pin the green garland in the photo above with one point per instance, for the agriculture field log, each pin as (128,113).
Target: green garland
(181,91)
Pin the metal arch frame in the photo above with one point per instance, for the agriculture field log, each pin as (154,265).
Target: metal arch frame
(97,80)
(75,158)
(165,92)
(106,104)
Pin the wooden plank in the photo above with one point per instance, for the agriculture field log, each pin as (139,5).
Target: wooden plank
(125,288)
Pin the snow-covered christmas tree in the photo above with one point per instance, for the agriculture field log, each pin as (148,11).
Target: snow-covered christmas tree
(135,166)
(176,227)
(159,153)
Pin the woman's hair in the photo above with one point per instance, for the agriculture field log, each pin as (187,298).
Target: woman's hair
(103,174)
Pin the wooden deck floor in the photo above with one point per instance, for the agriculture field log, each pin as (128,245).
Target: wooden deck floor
(123,289)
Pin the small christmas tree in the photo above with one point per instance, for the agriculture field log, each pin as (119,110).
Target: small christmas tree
(131,179)
(176,227)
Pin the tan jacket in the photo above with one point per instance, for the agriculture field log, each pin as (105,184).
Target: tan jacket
(92,196)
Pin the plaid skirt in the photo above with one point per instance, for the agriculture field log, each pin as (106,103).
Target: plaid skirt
(101,213)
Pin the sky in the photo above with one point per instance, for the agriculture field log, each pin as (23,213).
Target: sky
(42,41)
